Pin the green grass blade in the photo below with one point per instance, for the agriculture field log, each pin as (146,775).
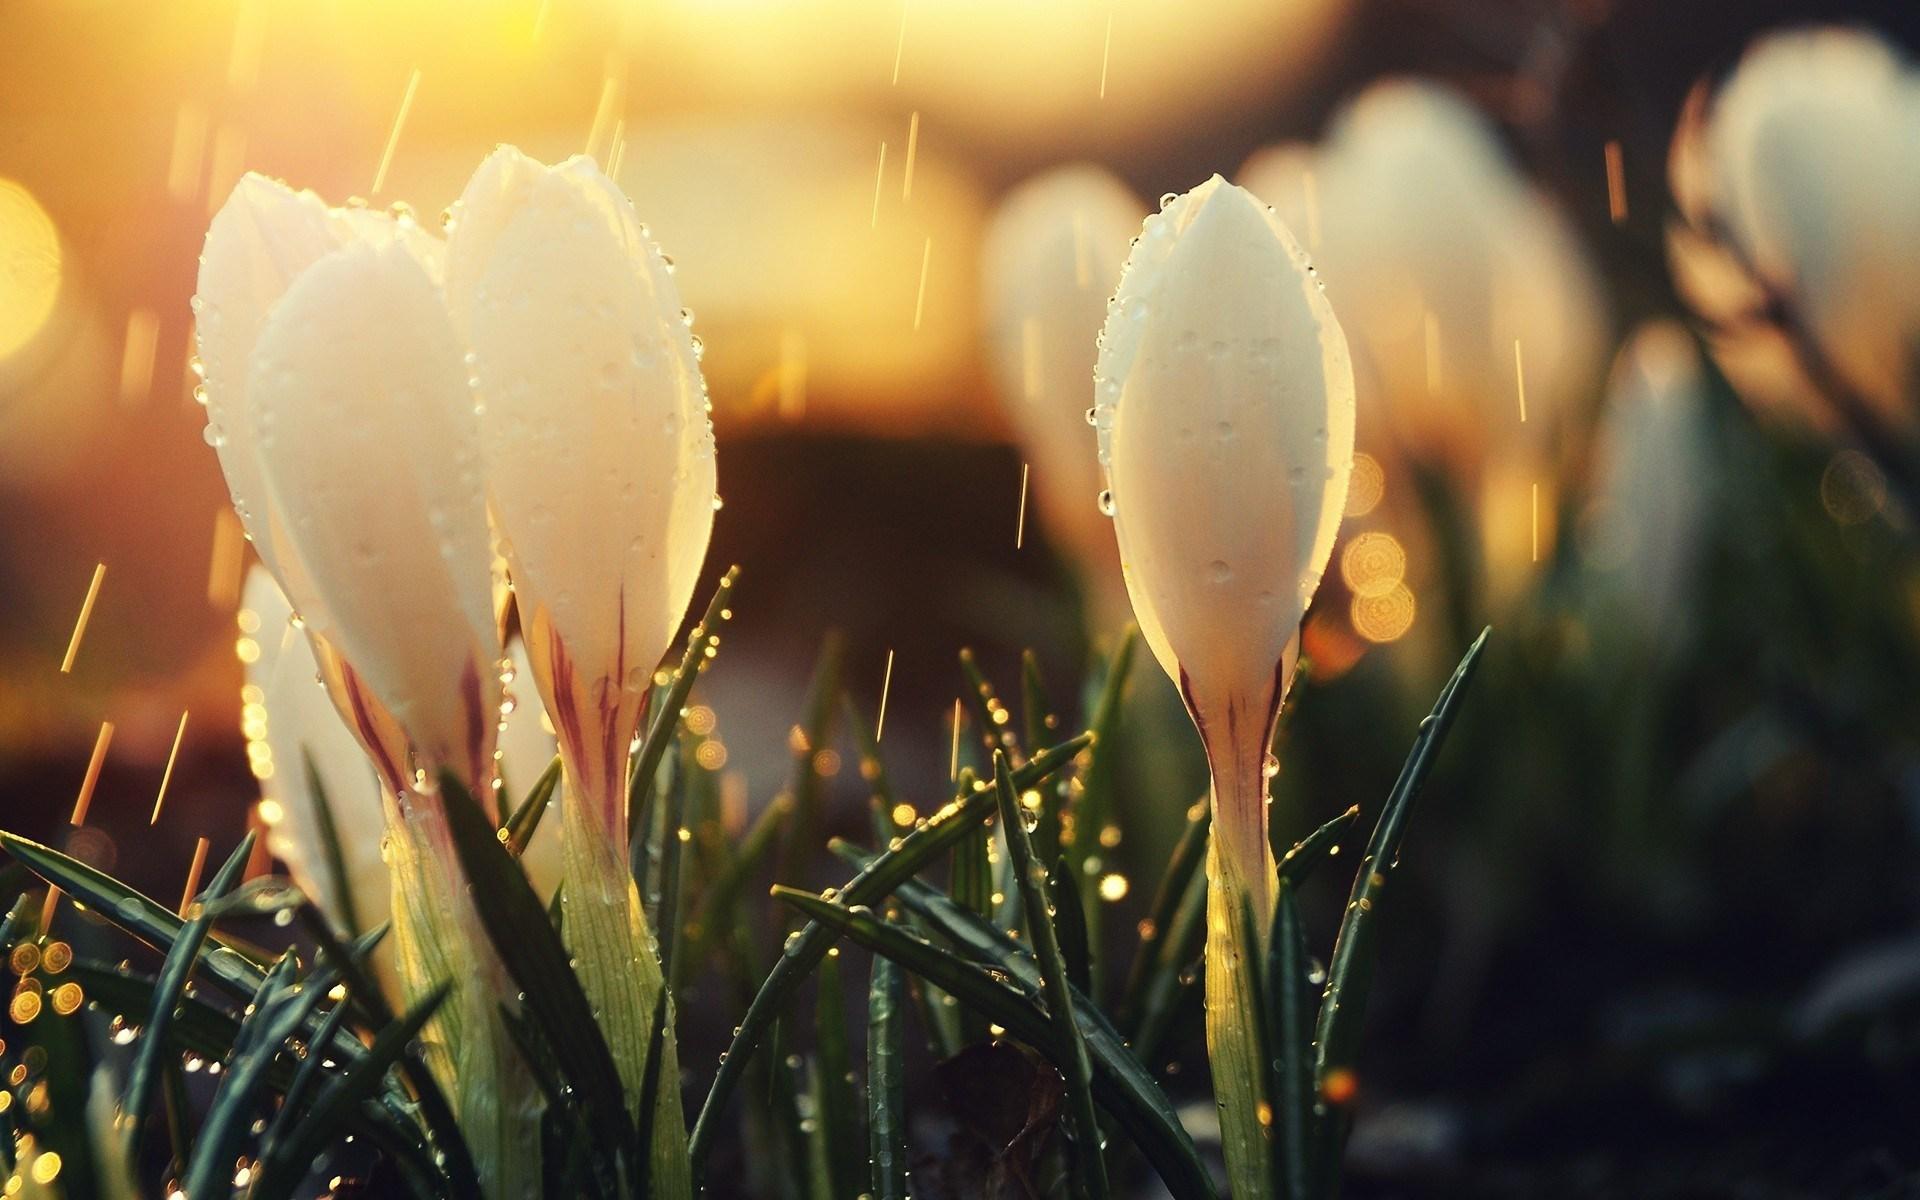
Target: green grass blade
(1172,973)
(993,718)
(1030,877)
(364,995)
(650,1093)
(839,1112)
(805,948)
(873,769)
(1120,1084)
(1317,847)
(526,818)
(714,922)
(669,924)
(279,1010)
(517,925)
(146,919)
(144,1075)
(309,1073)
(805,741)
(1036,711)
(1040,723)
(1350,974)
(331,852)
(1188,853)
(282,1166)
(1070,925)
(1094,807)
(702,641)
(886,1084)
(1289,1026)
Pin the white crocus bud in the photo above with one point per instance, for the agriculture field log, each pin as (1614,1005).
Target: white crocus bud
(1655,477)
(1225,410)
(290,722)
(1052,256)
(346,428)
(1808,162)
(364,433)
(600,468)
(599,455)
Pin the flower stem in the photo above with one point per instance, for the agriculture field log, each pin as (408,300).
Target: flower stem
(438,939)
(605,929)
(1241,877)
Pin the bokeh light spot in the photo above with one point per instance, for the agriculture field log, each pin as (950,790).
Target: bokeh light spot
(29,267)
(1384,618)
(1373,564)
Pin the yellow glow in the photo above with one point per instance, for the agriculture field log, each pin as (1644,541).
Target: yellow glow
(903,815)
(1373,564)
(1113,887)
(29,266)
(46,1168)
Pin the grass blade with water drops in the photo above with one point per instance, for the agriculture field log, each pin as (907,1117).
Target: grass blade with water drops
(839,1112)
(804,948)
(702,641)
(1030,877)
(650,1092)
(1188,853)
(1091,810)
(1013,1001)
(279,1009)
(1289,1026)
(1350,973)
(331,852)
(1070,925)
(282,1165)
(886,1084)
(144,1075)
(517,925)
(526,818)
(226,965)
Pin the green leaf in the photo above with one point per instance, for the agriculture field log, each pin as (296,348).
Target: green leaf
(278,1011)
(839,1113)
(1030,877)
(886,1083)
(669,923)
(702,640)
(331,852)
(1173,970)
(526,818)
(1317,847)
(873,769)
(364,995)
(1093,808)
(650,1091)
(146,919)
(1070,925)
(174,972)
(1120,1084)
(1182,864)
(1289,1038)
(516,923)
(805,948)
(983,701)
(1350,974)
(283,1164)
(806,741)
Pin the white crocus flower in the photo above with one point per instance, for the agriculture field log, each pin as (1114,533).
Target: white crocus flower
(286,709)
(1225,410)
(337,396)
(600,469)
(1655,477)
(1441,258)
(1807,161)
(1050,261)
